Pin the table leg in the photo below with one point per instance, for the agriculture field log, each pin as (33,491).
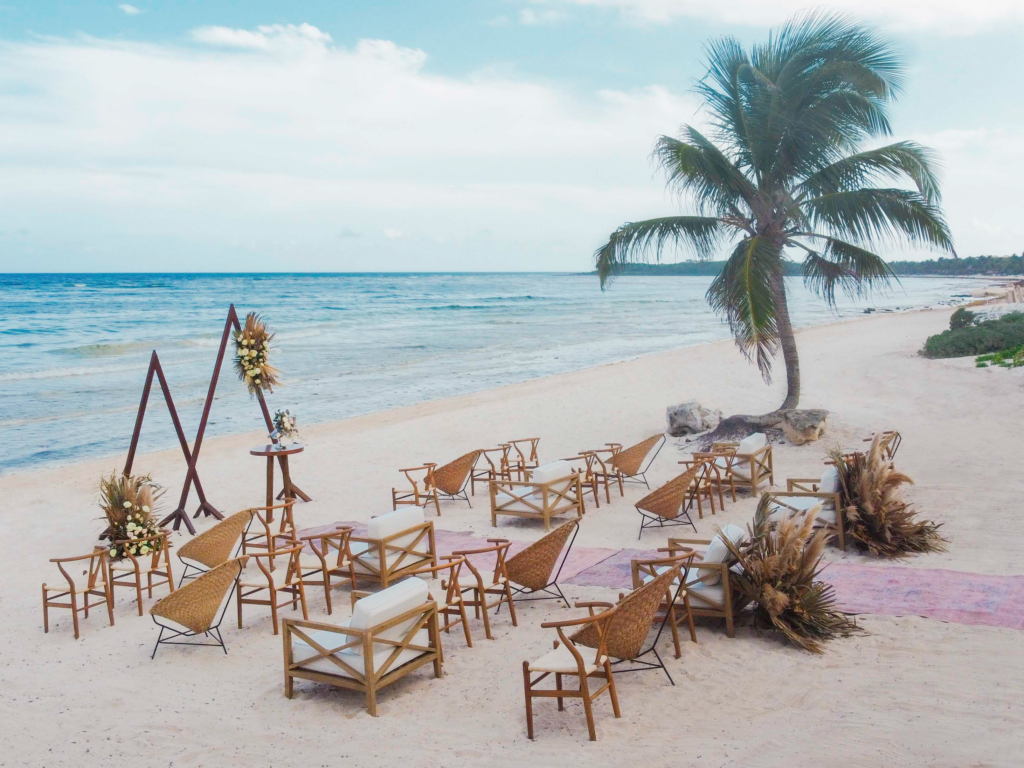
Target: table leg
(286,478)
(270,488)
(295,491)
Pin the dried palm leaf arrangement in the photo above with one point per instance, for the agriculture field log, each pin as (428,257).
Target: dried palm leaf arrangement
(129,506)
(252,356)
(780,567)
(877,517)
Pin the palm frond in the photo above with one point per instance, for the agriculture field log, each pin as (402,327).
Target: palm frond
(695,165)
(895,162)
(742,294)
(642,240)
(846,266)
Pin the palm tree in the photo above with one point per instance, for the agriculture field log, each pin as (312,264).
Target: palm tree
(783,173)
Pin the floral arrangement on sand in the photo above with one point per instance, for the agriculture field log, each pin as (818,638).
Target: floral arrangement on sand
(285,425)
(129,503)
(252,355)
(780,564)
(877,517)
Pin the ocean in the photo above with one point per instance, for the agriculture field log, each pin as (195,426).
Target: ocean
(74,349)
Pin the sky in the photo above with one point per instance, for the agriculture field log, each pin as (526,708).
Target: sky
(207,135)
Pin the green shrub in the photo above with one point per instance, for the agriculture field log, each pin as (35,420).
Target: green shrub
(978,364)
(985,337)
(962,318)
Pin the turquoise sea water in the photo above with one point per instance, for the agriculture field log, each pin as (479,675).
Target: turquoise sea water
(74,349)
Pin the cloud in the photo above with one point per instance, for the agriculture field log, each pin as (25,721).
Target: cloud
(131,10)
(948,16)
(393,234)
(265,38)
(530,17)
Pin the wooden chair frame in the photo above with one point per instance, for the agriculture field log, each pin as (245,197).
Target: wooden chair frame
(492,471)
(133,579)
(373,680)
(554,502)
(808,488)
(264,537)
(340,566)
(600,623)
(760,463)
(385,573)
(708,483)
(669,610)
(292,588)
(700,605)
(453,609)
(434,481)
(214,630)
(522,462)
(610,472)
(97,585)
(479,590)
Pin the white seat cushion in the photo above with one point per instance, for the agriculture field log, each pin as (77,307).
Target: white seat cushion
(825,516)
(561,660)
(752,443)
(702,592)
(717,552)
(553,470)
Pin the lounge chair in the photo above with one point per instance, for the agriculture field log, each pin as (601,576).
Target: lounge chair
(129,571)
(495,467)
(636,612)
(390,634)
(553,489)
(481,588)
(215,546)
(262,585)
(396,544)
(671,503)
(616,464)
(805,493)
(329,558)
(747,464)
(197,609)
(95,582)
(533,568)
(568,660)
(261,536)
(708,582)
(524,459)
(449,481)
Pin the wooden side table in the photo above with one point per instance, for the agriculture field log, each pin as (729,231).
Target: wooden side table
(272,452)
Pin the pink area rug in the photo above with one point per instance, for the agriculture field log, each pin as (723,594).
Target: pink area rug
(963,598)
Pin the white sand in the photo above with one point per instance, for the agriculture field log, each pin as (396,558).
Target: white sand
(911,692)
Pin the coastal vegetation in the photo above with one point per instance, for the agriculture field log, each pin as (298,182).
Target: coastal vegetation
(783,173)
(969,336)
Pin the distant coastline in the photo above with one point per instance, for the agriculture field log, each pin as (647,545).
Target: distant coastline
(971,266)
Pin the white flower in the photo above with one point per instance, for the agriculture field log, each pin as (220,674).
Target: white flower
(127,505)
(145,508)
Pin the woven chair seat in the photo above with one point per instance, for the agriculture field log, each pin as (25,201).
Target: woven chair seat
(254,577)
(81,585)
(561,661)
(145,565)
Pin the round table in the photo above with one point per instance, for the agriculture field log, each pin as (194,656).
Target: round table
(272,451)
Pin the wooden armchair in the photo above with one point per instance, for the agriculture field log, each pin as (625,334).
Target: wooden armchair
(329,558)
(708,583)
(480,589)
(709,483)
(567,660)
(675,608)
(495,467)
(260,535)
(197,609)
(449,481)
(94,581)
(626,465)
(390,634)
(453,607)
(128,572)
(263,585)
(671,503)
(553,490)
(215,546)
(522,457)
(396,544)
(746,464)
(533,568)
(806,493)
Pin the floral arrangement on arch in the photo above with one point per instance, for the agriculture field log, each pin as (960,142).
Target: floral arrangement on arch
(285,425)
(252,355)
(128,503)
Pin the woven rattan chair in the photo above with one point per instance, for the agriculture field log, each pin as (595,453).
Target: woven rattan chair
(327,562)
(566,660)
(670,504)
(94,581)
(653,603)
(522,457)
(128,572)
(676,608)
(197,609)
(494,467)
(480,588)
(263,585)
(449,482)
(390,634)
(708,483)
(215,546)
(616,464)
(533,569)
(261,535)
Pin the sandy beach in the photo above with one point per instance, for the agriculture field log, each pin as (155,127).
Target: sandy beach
(910,691)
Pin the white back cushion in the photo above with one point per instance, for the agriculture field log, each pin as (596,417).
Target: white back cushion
(717,552)
(553,470)
(391,523)
(386,605)
(829,480)
(752,443)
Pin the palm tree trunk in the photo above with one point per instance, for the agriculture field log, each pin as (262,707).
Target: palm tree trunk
(787,340)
